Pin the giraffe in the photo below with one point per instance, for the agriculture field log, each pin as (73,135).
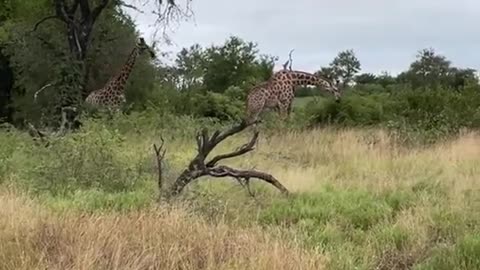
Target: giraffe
(278,92)
(112,95)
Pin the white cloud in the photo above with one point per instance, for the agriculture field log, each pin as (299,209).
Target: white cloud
(385,34)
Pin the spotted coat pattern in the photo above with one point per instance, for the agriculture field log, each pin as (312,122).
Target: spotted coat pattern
(279,91)
(112,95)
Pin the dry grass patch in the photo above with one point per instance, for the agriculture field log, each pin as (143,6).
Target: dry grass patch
(32,238)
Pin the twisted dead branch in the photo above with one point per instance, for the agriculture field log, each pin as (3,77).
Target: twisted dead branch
(199,166)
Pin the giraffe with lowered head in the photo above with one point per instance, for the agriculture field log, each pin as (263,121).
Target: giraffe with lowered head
(112,95)
(279,91)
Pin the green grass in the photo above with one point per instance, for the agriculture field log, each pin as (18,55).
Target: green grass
(300,102)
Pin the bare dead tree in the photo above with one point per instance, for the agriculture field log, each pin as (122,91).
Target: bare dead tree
(199,166)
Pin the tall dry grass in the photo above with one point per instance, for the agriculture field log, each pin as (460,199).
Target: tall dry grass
(33,238)
(303,161)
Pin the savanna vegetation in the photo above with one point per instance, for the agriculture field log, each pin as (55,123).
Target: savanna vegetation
(385,179)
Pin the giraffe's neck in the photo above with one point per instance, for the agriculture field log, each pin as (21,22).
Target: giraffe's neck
(300,78)
(121,79)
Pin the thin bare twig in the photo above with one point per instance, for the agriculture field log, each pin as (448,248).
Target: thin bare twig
(160,155)
(123,4)
(35,27)
(40,90)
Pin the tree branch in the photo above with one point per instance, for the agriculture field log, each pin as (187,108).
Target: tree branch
(131,7)
(40,90)
(224,171)
(205,144)
(35,27)
(160,155)
(242,150)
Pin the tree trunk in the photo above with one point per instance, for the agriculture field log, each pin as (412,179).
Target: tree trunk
(6,86)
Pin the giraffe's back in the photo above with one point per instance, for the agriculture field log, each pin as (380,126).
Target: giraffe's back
(105,98)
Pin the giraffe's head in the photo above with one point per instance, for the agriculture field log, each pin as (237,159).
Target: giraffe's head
(143,47)
(333,87)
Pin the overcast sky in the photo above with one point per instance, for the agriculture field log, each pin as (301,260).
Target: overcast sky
(385,34)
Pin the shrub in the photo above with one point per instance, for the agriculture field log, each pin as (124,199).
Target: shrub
(85,160)
(433,113)
(215,105)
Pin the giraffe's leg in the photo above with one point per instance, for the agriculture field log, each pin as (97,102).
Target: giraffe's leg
(254,120)
(253,112)
(289,109)
(284,111)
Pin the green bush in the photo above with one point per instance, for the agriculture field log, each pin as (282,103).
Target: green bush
(86,160)
(216,105)
(433,113)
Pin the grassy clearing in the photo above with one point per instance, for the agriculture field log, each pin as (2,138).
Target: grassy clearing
(361,201)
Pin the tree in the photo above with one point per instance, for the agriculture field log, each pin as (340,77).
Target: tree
(327,72)
(79,18)
(459,77)
(433,70)
(189,66)
(43,57)
(69,45)
(6,85)
(366,78)
(429,69)
(345,65)
(234,63)
(218,67)
(12,12)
